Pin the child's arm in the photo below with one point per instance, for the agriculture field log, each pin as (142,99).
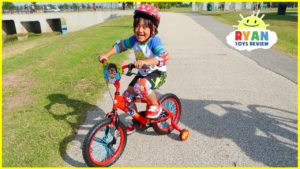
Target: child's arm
(148,62)
(108,54)
(160,60)
(119,46)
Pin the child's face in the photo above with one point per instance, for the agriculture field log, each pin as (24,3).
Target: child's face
(142,31)
(112,73)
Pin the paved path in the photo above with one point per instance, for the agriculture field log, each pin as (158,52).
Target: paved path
(238,112)
(274,60)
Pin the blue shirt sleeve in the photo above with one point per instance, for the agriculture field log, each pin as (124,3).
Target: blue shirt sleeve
(157,46)
(125,44)
(129,43)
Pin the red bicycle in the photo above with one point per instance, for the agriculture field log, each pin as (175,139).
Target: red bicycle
(106,140)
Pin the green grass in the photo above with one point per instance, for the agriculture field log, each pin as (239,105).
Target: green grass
(285,26)
(11,40)
(52,88)
(176,9)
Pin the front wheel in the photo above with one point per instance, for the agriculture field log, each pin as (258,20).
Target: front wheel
(172,103)
(104,144)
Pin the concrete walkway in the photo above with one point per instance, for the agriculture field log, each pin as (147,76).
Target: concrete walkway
(274,60)
(238,112)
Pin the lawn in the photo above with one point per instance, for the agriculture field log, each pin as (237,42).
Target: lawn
(49,88)
(177,9)
(285,26)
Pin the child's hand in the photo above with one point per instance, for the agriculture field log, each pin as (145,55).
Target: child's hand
(103,58)
(140,64)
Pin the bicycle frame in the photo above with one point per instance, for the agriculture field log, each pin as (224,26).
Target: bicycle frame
(119,103)
(117,129)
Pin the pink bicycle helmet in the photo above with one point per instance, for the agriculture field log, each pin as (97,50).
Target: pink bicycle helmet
(148,11)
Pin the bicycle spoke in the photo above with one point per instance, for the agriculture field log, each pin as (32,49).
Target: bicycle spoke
(98,152)
(112,132)
(105,144)
(110,152)
(170,106)
(164,124)
(99,140)
(106,130)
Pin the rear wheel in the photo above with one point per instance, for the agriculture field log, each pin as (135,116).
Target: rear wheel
(172,103)
(104,144)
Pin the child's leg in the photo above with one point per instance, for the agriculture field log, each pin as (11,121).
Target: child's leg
(128,96)
(152,98)
(143,88)
(147,84)
(129,93)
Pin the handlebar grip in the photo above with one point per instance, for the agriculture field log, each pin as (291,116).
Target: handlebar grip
(130,67)
(103,60)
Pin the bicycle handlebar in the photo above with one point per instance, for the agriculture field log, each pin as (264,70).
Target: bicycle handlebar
(129,66)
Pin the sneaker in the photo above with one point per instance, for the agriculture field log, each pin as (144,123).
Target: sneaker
(130,129)
(153,111)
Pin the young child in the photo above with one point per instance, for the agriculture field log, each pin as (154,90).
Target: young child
(151,59)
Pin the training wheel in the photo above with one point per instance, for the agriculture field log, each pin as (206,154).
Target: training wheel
(184,134)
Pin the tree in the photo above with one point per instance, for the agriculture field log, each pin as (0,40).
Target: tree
(38,7)
(8,6)
(164,5)
(88,6)
(129,4)
(51,6)
(74,6)
(66,6)
(281,9)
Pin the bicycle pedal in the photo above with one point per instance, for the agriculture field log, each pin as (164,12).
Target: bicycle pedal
(142,113)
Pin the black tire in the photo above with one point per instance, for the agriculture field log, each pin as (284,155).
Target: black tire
(165,127)
(91,141)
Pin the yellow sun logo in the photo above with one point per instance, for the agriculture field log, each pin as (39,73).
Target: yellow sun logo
(252,21)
